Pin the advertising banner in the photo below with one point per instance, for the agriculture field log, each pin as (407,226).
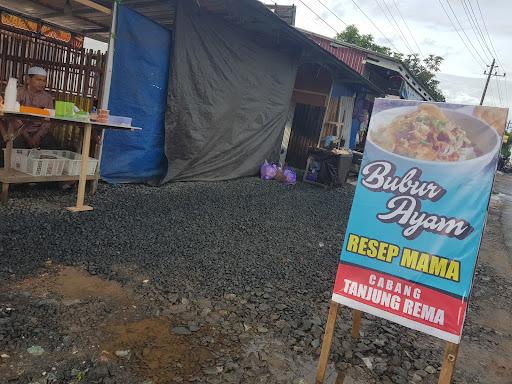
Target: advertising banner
(418,214)
(19,22)
(76,41)
(23,24)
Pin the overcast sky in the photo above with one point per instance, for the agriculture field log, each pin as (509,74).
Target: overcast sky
(461,76)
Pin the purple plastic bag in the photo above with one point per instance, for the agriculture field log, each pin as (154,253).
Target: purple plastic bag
(290,176)
(268,171)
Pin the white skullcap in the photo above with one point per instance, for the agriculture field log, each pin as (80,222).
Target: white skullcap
(37,71)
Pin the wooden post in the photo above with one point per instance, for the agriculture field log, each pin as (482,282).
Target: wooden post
(326,343)
(5,192)
(356,323)
(449,358)
(7,162)
(80,207)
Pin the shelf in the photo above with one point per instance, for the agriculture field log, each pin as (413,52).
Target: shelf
(16,177)
(79,122)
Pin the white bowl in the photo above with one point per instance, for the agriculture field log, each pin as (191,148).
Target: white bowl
(484,137)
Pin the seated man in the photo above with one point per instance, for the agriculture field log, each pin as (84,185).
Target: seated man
(33,94)
(33,134)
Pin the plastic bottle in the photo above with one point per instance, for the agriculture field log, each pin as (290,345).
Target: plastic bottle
(94,114)
(11,92)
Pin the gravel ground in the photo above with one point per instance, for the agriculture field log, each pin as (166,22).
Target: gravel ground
(235,276)
(212,237)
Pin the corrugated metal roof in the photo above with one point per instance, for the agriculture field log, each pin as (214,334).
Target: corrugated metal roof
(350,56)
(356,57)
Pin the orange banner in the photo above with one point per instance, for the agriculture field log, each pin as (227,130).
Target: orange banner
(54,33)
(19,22)
(24,24)
(77,41)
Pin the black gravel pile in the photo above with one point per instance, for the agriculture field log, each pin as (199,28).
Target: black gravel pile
(211,238)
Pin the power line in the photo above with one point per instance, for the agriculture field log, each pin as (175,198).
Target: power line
(474,28)
(458,33)
(463,31)
(407,26)
(375,26)
(318,16)
(499,92)
(335,15)
(399,30)
(469,5)
(492,100)
(506,91)
(487,32)
(493,49)
(503,83)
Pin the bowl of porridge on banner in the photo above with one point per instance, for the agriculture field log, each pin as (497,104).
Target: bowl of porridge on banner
(433,139)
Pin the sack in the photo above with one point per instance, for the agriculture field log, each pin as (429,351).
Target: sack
(268,171)
(280,175)
(290,176)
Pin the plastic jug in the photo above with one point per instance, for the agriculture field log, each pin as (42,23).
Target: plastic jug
(11,92)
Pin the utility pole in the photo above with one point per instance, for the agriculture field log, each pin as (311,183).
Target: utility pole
(489,74)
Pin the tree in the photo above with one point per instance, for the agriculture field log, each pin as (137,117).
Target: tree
(351,35)
(423,70)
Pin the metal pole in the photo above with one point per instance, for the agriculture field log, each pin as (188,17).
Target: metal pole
(110,60)
(106,84)
(487,82)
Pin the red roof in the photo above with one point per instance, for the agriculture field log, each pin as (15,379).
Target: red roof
(353,57)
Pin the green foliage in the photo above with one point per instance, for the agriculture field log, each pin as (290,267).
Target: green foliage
(423,70)
(351,35)
(506,149)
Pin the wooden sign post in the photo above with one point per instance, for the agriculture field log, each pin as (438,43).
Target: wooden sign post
(449,358)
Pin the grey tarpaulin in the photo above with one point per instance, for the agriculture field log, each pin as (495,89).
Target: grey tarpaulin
(228,99)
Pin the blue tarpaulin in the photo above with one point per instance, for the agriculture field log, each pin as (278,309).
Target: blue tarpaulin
(138,90)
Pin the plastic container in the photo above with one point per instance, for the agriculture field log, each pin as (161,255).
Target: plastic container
(82,115)
(344,164)
(34,111)
(103,116)
(116,120)
(73,163)
(120,120)
(11,93)
(127,121)
(37,162)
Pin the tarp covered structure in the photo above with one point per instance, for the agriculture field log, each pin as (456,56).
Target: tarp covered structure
(228,99)
(138,89)
(232,73)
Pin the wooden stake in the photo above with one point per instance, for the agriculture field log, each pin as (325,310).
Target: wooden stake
(326,343)
(80,207)
(449,358)
(5,193)
(7,161)
(356,323)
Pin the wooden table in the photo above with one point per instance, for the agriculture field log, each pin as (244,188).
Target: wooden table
(11,176)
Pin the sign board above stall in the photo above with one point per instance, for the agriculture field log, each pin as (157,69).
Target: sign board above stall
(26,25)
(18,22)
(418,214)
